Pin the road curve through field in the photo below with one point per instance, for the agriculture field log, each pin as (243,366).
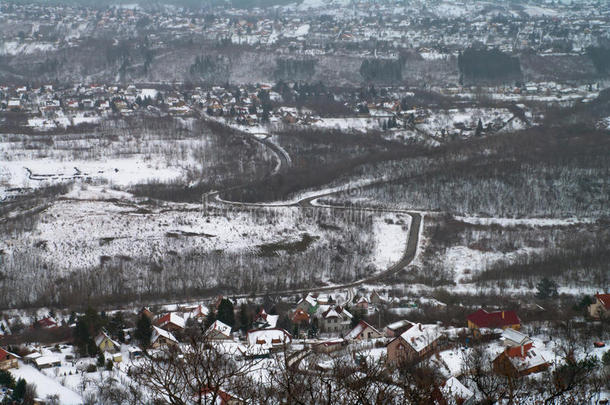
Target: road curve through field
(310,202)
(407,257)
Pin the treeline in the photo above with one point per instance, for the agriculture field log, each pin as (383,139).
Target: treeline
(488,64)
(294,69)
(208,67)
(319,157)
(600,57)
(382,70)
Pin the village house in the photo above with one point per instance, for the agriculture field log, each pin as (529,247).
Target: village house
(47,323)
(171,322)
(600,309)
(218,330)
(265,321)
(300,317)
(397,328)
(269,338)
(482,319)
(47,361)
(363,331)
(106,344)
(362,303)
(219,397)
(308,304)
(8,360)
(335,320)
(414,344)
(517,343)
(147,312)
(329,346)
(161,338)
(520,362)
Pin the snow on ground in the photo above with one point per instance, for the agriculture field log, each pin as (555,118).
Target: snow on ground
(390,240)
(454,360)
(537,11)
(46,386)
(16,48)
(350,124)
(466,262)
(468,118)
(533,222)
(106,228)
(120,171)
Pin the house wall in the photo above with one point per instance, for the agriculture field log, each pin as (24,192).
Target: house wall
(8,364)
(597,310)
(398,351)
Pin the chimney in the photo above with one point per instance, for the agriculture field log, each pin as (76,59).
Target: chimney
(522,351)
(420,327)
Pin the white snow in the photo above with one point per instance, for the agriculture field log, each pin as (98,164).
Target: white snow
(46,386)
(390,240)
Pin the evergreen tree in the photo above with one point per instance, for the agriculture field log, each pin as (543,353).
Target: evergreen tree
(7,379)
(101,360)
(226,313)
(143,331)
(19,391)
(209,319)
(479,129)
(546,289)
(244,319)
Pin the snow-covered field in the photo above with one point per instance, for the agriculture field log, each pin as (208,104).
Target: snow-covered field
(34,173)
(390,240)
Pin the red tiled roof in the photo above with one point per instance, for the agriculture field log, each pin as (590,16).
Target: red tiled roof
(484,319)
(3,353)
(604,299)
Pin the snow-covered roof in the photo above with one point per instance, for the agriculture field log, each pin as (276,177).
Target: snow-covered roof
(533,358)
(420,336)
(514,336)
(398,324)
(46,360)
(268,337)
(453,388)
(173,318)
(358,329)
(220,327)
(104,335)
(272,320)
(158,332)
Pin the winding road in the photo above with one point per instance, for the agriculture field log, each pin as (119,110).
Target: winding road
(310,202)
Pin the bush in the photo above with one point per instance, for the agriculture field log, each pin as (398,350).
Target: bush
(6,379)
(91,368)
(606,358)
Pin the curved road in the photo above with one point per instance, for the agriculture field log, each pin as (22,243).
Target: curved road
(407,257)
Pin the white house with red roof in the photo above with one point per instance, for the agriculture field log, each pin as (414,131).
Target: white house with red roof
(219,330)
(171,322)
(269,338)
